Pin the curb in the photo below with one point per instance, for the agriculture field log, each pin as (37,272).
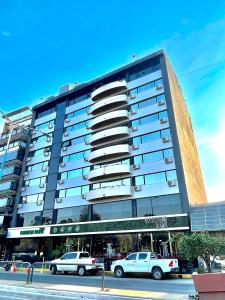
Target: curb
(181,276)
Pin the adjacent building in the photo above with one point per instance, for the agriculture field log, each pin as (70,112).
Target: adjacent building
(13,140)
(118,170)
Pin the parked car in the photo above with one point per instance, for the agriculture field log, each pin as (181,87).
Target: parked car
(145,262)
(80,261)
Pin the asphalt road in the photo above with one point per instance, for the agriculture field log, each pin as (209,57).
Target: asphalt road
(178,286)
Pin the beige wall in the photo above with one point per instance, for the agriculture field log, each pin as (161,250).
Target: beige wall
(189,155)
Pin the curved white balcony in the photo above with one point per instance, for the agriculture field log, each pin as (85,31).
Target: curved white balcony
(109,192)
(109,172)
(106,104)
(109,89)
(109,135)
(109,153)
(109,119)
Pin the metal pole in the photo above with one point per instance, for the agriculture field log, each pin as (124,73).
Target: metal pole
(32,272)
(103,278)
(170,244)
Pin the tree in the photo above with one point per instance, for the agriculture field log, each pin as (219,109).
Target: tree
(201,245)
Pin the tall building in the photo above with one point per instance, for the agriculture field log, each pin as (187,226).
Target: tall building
(12,148)
(118,169)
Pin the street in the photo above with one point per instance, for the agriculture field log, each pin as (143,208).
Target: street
(178,286)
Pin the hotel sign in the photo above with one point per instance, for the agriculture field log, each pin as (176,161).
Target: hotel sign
(33,231)
(146,224)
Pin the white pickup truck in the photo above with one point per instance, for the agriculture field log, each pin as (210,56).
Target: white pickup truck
(79,262)
(144,262)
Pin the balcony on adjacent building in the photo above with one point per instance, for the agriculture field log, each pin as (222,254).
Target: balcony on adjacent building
(108,172)
(10,173)
(13,157)
(17,134)
(109,153)
(8,189)
(6,204)
(107,104)
(109,135)
(109,89)
(109,193)
(109,119)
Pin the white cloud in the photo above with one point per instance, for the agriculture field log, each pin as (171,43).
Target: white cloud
(6,33)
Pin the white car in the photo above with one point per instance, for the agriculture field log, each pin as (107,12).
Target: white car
(145,262)
(79,262)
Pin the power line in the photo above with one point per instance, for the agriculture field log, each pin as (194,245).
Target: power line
(202,68)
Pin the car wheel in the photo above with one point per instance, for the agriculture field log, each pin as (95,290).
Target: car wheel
(157,273)
(53,270)
(119,273)
(81,271)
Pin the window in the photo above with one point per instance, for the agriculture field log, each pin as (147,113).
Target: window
(140,73)
(71,192)
(37,166)
(46,112)
(73,214)
(35,181)
(78,99)
(78,113)
(132,256)
(29,219)
(32,198)
(142,256)
(155,178)
(112,210)
(44,126)
(154,156)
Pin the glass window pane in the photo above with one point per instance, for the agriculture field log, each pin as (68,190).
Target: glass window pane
(139,180)
(138,159)
(155,178)
(171,175)
(154,156)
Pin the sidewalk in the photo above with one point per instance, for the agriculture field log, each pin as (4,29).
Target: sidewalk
(87,292)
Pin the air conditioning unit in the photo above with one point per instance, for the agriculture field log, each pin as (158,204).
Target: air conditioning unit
(88,127)
(137,188)
(86,158)
(60,181)
(58,200)
(87,142)
(33,132)
(160,102)
(29,158)
(134,147)
(50,126)
(83,196)
(48,139)
(31,145)
(26,184)
(20,205)
(158,87)
(89,112)
(84,176)
(166,139)
(62,164)
(41,185)
(39,203)
(134,128)
(44,169)
(132,96)
(24,201)
(66,133)
(168,160)
(64,148)
(23,189)
(133,112)
(25,173)
(46,153)
(171,183)
(136,166)
(163,120)
(67,120)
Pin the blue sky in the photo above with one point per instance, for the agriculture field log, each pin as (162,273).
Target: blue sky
(44,44)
